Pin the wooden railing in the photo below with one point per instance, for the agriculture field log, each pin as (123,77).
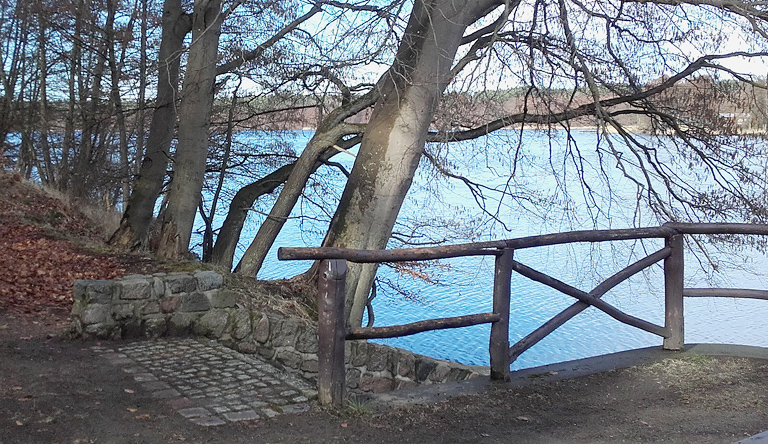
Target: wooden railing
(332,329)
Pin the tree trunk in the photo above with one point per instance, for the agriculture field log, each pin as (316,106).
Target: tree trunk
(208,234)
(194,121)
(47,175)
(115,68)
(319,148)
(140,207)
(68,144)
(142,100)
(229,233)
(85,172)
(395,137)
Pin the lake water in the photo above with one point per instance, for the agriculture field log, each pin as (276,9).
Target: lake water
(466,283)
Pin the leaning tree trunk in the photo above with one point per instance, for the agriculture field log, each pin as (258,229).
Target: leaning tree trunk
(229,234)
(194,123)
(319,149)
(395,137)
(140,207)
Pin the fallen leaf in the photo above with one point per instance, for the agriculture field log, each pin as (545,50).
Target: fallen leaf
(523,418)
(143,416)
(484,435)
(129,391)
(19,423)
(344,425)
(17,388)
(25,398)
(132,410)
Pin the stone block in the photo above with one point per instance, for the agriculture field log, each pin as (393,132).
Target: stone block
(377,358)
(121,312)
(194,302)
(208,280)
(133,289)
(179,283)
(96,314)
(352,378)
(289,358)
(103,331)
(267,353)
(135,276)
(78,290)
(242,325)
(180,324)
(284,333)
(261,330)
(348,351)
(406,365)
(170,304)
(405,384)
(424,367)
(78,307)
(310,365)
(247,347)
(440,372)
(158,287)
(99,291)
(306,341)
(154,326)
(132,328)
(376,384)
(211,324)
(76,329)
(359,354)
(222,298)
(150,308)
(457,374)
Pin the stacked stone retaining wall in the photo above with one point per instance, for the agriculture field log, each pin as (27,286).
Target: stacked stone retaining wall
(180,304)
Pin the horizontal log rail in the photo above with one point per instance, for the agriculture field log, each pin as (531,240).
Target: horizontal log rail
(331,284)
(725,293)
(421,326)
(492,248)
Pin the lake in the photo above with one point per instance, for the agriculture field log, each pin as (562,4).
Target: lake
(548,198)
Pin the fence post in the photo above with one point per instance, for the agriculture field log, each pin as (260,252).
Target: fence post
(331,332)
(673,294)
(499,342)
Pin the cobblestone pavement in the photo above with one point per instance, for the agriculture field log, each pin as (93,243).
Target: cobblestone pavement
(208,383)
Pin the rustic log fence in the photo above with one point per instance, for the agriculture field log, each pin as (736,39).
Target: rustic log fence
(332,329)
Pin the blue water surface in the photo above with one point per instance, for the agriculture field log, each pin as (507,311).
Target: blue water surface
(561,205)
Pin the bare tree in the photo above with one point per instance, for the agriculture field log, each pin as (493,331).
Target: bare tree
(139,209)
(608,55)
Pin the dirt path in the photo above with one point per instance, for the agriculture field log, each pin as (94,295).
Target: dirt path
(53,390)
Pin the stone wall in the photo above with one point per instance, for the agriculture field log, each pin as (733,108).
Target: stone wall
(179,304)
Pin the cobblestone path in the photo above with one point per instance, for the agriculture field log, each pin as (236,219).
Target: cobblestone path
(208,383)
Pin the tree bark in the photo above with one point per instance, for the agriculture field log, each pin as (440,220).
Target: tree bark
(229,233)
(320,147)
(140,207)
(208,234)
(47,175)
(194,122)
(395,137)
